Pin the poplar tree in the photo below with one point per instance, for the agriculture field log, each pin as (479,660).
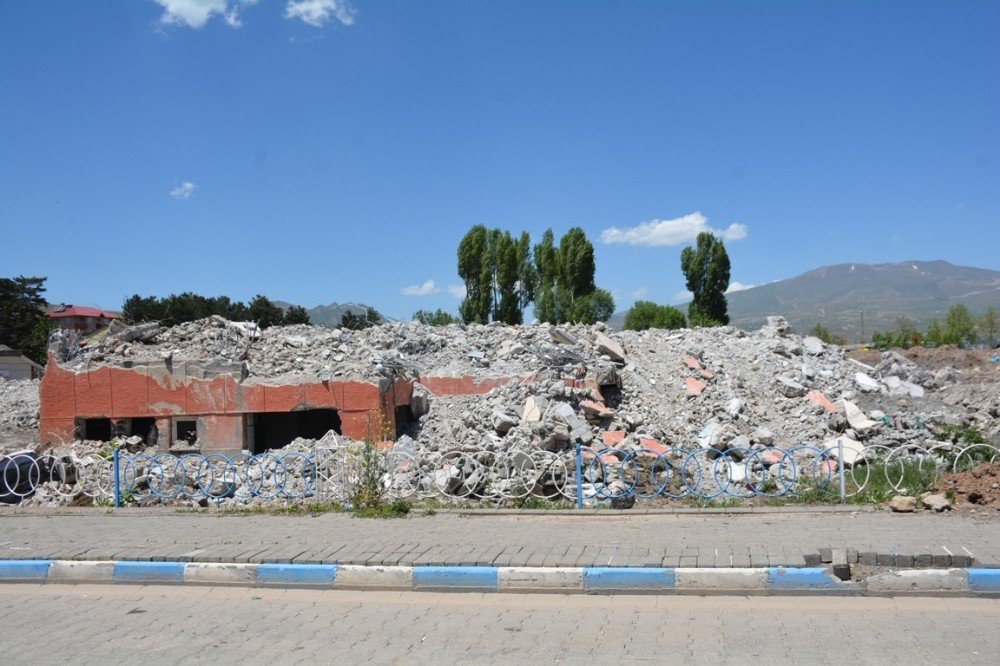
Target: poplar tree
(706,271)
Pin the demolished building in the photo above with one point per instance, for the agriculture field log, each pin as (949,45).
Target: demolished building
(228,386)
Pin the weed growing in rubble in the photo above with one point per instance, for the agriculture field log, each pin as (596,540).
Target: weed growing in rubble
(369,491)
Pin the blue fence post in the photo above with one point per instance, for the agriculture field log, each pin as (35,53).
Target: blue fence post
(118,488)
(579,478)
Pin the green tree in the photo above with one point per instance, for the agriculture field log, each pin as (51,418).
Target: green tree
(498,274)
(507,280)
(576,263)
(264,312)
(564,281)
(21,305)
(36,345)
(960,327)
(296,314)
(591,308)
(546,271)
(473,268)
(436,318)
(646,314)
(989,326)
(935,333)
(355,322)
(907,334)
(706,271)
(824,334)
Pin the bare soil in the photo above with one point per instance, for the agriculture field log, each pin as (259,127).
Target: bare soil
(979,486)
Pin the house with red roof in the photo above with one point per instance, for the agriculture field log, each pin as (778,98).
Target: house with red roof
(80,317)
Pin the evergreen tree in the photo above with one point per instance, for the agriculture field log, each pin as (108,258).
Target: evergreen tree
(21,305)
(264,312)
(296,314)
(706,271)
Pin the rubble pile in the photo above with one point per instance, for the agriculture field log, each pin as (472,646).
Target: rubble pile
(711,387)
(18,412)
(719,388)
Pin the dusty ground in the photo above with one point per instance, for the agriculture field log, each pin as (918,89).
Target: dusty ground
(976,362)
(979,486)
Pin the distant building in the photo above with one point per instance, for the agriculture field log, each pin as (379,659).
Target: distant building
(14,365)
(80,317)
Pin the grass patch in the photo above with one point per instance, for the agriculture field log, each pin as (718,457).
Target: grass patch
(397,509)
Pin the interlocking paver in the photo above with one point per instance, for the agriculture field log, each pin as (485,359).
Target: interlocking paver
(618,539)
(84,624)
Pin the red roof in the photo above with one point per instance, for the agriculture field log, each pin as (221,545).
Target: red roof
(82,311)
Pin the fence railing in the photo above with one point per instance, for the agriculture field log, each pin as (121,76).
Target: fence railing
(581,475)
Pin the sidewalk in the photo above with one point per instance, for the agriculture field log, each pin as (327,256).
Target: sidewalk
(607,540)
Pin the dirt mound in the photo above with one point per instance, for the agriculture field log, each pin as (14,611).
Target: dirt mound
(980,485)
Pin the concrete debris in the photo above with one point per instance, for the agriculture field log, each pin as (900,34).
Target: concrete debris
(18,413)
(609,347)
(855,417)
(903,504)
(866,383)
(938,502)
(812,346)
(790,388)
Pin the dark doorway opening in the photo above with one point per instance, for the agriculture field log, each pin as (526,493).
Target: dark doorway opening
(404,415)
(273,430)
(141,426)
(98,430)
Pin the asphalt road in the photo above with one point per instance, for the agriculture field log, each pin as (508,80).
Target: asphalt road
(173,625)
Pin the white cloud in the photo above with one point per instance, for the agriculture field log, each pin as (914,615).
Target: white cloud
(682,296)
(735,285)
(638,293)
(184,191)
(671,232)
(319,12)
(196,13)
(425,289)
(456,290)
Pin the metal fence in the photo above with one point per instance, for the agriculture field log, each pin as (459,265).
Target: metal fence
(579,475)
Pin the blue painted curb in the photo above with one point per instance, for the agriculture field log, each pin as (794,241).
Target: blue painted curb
(148,572)
(455,578)
(597,579)
(984,580)
(24,570)
(806,578)
(314,575)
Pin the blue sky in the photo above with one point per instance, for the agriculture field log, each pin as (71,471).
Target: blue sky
(317,151)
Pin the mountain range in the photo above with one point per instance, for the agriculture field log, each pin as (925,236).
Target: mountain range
(836,296)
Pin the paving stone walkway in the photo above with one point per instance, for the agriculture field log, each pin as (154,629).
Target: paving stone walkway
(619,539)
(87,624)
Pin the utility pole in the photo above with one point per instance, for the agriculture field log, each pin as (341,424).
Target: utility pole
(863,338)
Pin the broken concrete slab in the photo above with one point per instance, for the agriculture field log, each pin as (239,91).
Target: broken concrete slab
(856,417)
(866,383)
(812,345)
(609,347)
(790,388)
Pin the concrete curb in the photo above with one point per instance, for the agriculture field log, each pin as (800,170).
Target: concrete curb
(562,580)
